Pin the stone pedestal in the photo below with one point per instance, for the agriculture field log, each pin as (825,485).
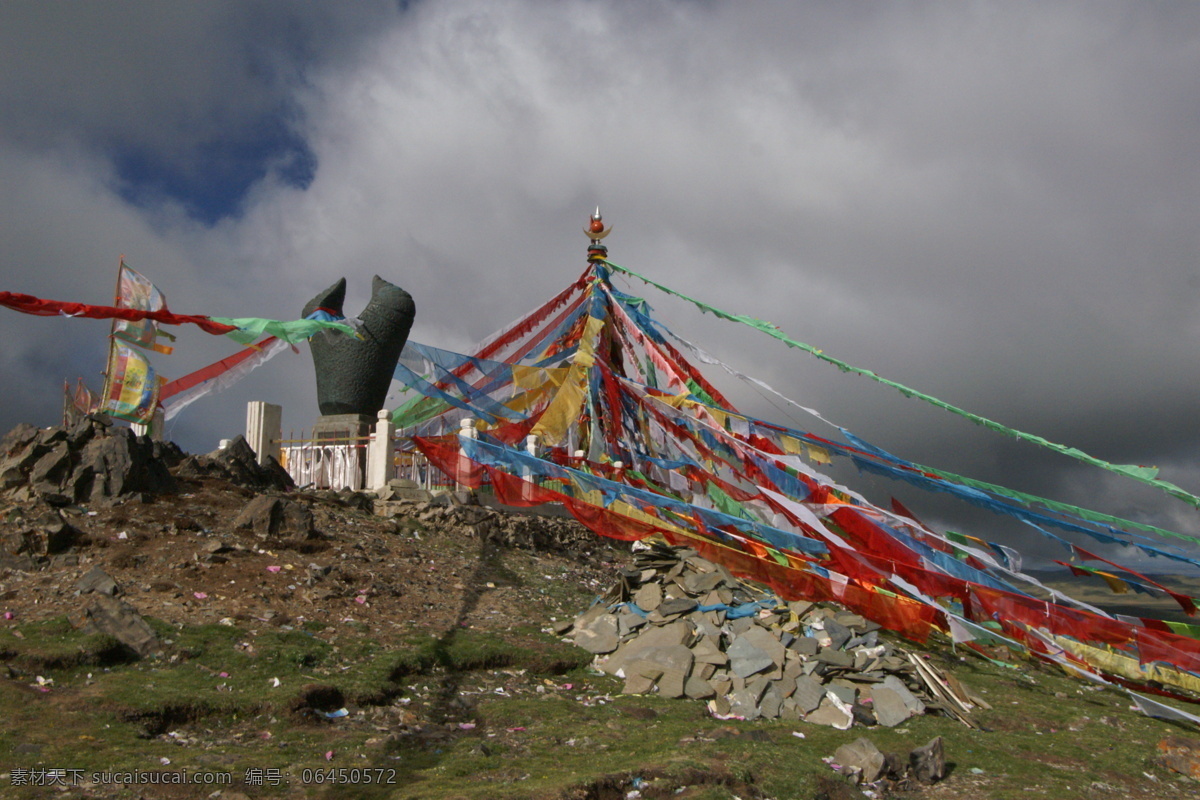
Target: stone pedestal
(342,428)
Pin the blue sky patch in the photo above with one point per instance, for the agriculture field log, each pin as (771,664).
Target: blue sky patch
(211,181)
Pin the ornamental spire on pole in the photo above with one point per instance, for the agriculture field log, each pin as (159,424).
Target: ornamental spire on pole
(596,231)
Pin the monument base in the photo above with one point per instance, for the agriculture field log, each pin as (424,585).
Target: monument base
(343,428)
(353,432)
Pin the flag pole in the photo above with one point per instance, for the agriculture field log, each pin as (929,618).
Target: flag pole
(108,368)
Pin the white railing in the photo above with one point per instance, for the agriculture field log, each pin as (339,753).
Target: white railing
(412,465)
(368,462)
(326,466)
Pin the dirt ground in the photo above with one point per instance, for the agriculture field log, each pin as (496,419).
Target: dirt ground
(179,558)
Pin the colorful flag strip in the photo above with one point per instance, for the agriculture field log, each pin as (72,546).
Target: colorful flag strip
(634,442)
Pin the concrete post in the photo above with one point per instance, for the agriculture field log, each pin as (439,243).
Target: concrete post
(379,453)
(529,485)
(466,467)
(264,429)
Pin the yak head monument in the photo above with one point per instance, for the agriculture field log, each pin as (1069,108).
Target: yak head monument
(353,374)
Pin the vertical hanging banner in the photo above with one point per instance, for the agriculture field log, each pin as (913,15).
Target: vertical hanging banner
(134,290)
(131,388)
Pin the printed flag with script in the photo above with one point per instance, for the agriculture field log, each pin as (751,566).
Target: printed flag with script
(132,388)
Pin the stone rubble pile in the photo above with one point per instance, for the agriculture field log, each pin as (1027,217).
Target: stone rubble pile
(89,463)
(237,464)
(681,626)
(525,530)
(94,462)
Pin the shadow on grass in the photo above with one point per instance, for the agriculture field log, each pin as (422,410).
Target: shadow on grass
(416,751)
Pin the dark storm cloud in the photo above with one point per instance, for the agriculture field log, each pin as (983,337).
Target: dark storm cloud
(992,203)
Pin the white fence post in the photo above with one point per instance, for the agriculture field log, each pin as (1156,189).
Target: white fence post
(379,453)
(530,480)
(264,429)
(465,466)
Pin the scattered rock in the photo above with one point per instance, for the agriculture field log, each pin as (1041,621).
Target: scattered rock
(98,581)
(276,518)
(928,763)
(237,464)
(105,614)
(1181,754)
(861,760)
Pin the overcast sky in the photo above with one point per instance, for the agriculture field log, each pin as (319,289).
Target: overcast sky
(993,203)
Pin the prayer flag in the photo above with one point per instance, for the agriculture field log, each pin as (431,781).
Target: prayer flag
(131,388)
(135,291)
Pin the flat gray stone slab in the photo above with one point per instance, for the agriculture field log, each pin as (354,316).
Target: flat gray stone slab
(698,689)
(838,634)
(651,637)
(744,704)
(638,684)
(107,614)
(890,709)
(855,622)
(829,714)
(805,646)
(98,581)
(676,606)
(745,659)
(674,657)
(911,700)
(629,622)
(672,684)
(771,703)
(863,757)
(790,710)
(847,694)
(707,651)
(762,639)
(702,583)
(648,596)
(800,607)
(835,658)
(758,687)
(600,636)
(809,694)
(704,626)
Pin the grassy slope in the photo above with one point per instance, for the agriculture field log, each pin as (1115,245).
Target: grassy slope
(469,714)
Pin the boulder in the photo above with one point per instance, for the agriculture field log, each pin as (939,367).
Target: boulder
(276,518)
(98,581)
(106,614)
(928,763)
(116,464)
(1181,754)
(861,760)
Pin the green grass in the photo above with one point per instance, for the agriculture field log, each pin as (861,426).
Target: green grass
(428,710)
